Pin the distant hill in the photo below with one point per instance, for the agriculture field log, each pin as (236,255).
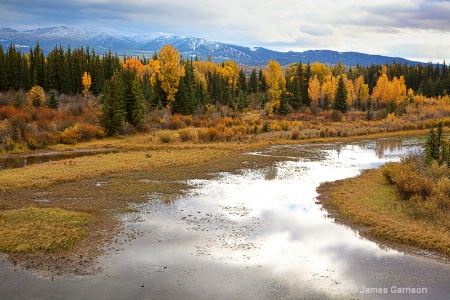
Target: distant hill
(148,44)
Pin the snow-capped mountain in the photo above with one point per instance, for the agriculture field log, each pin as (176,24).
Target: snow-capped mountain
(148,44)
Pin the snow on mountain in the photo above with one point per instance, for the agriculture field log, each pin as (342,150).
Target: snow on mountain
(147,44)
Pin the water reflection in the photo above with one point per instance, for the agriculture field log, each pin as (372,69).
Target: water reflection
(268,220)
(259,234)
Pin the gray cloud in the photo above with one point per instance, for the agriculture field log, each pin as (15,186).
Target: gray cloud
(358,25)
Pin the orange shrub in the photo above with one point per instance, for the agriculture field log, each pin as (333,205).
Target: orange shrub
(208,134)
(70,136)
(86,131)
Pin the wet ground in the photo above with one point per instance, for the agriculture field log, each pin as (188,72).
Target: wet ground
(21,160)
(253,234)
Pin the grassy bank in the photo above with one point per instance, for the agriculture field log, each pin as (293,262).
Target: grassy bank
(33,229)
(374,206)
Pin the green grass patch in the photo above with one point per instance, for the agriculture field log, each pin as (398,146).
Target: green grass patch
(30,230)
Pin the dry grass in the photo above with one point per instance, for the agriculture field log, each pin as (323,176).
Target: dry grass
(371,201)
(46,174)
(29,230)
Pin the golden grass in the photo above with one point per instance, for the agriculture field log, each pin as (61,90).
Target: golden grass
(29,230)
(42,175)
(370,200)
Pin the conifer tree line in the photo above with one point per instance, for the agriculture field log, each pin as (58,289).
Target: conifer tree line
(186,86)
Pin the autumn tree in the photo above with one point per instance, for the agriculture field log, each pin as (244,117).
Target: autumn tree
(322,72)
(169,72)
(363,96)
(314,93)
(36,96)
(134,64)
(87,82)
(276,82)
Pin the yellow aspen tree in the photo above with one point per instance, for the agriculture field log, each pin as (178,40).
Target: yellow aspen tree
(314,93)
(86,81)
(153,68)
(230,71)
(380,93)
(400,90)
(363,96)
(358,82)
(170,72)
(329,89)
(350,93)
(276,83)
(322,71)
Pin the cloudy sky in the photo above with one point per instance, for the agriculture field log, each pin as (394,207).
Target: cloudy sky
(414,29)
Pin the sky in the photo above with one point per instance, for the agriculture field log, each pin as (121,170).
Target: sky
(414,29)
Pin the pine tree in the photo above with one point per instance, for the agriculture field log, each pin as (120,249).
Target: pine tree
(18,101)
(340,100)
(253,82)
(369,112)
(138,109)
(113,114)
(53,102)
(262,82)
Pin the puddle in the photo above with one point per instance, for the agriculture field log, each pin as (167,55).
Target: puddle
(254,234)
(19,161)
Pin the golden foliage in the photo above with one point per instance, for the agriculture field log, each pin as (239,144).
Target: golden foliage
(36,96)
(170,71)
(314,89)
(322,72)
(134,64)
(276,82)
(87,82)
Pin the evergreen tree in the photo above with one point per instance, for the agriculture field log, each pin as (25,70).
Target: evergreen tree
(138,109)
(304,84)
(18,101)
(186,99)
(253,82)
(262,82)
(52,101)
(284,108)
(369,112)
(242,83)
(340,100)
(113,113)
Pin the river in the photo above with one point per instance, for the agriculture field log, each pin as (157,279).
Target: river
(254,234)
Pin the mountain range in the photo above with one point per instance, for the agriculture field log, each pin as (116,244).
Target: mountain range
(148,44)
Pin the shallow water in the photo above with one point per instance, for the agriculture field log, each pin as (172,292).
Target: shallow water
(257,234)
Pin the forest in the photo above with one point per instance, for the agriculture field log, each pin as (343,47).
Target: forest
(73,95)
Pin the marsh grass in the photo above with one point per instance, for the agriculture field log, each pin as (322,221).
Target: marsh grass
(30,230)
(371,201)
